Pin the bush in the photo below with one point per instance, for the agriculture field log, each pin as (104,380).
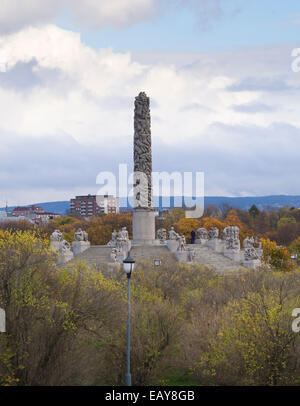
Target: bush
(277,257)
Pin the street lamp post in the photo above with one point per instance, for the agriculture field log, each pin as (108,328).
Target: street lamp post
(128,265)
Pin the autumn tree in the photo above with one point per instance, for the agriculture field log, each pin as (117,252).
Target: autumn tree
(173,216)
(186,225)
(210,222)
(283,221)
(295,247)
(232,219)
(277,257)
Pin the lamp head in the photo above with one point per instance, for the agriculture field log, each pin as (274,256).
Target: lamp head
(128,265)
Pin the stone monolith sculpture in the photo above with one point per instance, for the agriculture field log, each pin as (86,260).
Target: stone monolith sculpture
(143,222)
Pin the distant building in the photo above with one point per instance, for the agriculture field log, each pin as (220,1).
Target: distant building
(26,211)
(4,217)
(91,205)
(45,217)
(34,214)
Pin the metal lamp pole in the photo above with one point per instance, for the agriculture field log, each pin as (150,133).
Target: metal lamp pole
(128,374)
(128,265)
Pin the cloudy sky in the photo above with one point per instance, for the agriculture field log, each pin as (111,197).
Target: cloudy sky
(224,97)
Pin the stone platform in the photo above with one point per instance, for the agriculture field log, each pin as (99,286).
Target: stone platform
(99,256)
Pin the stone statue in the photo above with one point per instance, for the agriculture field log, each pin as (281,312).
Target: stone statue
(191,255)
(81,242)
(258,243)
(113,255)
(162,235)
(173,235)
(61,246)
(231,237)
(56,236)
(181,243)
(236,233)
(125,234)
(120,241)
(142,151)
(250,254)
(213,233)
(81,235)
(232,244)
(201,234)
(248,242)
(252,249)
(113,241)
(65,247)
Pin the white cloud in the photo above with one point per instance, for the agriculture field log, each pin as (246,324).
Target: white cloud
(117,13)
(58,88)
(18,14)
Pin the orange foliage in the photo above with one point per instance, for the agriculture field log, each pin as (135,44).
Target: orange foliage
(210,222)
(186,225)
(232,219)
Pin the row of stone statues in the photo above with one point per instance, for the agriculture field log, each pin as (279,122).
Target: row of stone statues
(118,236)
(79,235)
(65,251)
(174,236)
(229,243)
(176,243)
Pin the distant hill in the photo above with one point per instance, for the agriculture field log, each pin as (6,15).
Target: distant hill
(262,202)
(53,207)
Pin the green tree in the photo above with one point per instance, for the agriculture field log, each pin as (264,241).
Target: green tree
(253,211)
(284,221)
(295,247)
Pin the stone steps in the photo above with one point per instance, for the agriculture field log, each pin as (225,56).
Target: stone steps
(149,254)
(207,256)
(96,255)
(99,256)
